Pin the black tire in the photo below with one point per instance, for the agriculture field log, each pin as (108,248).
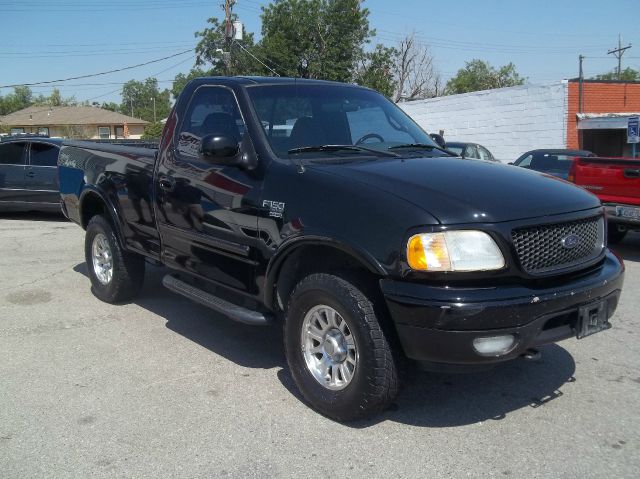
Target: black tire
(127,268)
(374,384)
(615,235)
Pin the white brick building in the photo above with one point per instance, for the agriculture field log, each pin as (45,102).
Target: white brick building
(508,121)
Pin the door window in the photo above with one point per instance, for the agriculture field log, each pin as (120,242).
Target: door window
(471,152)
(525,162)
(484,153)
(212,111)
(12,153)
(43,154)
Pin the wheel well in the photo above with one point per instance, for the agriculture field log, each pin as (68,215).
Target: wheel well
(91,206)
(309,259)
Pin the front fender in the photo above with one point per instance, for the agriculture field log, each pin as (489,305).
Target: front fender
(360,255)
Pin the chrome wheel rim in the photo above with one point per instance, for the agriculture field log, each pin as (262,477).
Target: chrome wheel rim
(102,258)
(329,348)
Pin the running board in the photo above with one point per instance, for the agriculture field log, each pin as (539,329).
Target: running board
(233,311)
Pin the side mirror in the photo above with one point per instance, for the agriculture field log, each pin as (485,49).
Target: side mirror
(510,163)
(220,149)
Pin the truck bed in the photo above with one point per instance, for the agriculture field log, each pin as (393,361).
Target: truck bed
(125,173)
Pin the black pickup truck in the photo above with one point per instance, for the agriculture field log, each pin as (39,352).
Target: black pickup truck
(324,208)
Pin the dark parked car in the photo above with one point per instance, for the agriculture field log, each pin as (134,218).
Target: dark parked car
(29,174)
(554,162)
(352,230)
(470,150)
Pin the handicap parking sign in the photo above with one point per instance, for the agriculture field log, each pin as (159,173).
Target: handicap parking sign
(633,130)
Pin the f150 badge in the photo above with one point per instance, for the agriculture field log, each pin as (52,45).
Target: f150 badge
(276,208)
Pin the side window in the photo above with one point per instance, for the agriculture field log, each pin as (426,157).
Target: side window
(212,111)
(471,152)
(12,153)
(484,153)
(526,161)
(43,154)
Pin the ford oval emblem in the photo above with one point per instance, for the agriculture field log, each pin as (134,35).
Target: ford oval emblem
(571,241)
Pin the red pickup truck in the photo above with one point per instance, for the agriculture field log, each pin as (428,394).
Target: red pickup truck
(616,181)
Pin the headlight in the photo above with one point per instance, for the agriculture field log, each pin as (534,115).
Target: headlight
(464,250)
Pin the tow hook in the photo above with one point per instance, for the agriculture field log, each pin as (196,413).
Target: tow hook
(531,354)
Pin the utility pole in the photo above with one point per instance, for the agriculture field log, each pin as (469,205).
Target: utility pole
(228,33)
(618,52)
(131,101)
(581,84)
(154,110)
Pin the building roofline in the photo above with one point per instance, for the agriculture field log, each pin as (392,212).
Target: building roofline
(593,80)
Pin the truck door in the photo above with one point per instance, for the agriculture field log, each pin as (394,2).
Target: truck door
(12,165)
(208,213)
(41,173)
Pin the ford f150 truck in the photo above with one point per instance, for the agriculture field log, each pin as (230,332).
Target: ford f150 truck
(616,181)
(323,207)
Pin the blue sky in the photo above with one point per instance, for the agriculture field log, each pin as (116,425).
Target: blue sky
(51,39)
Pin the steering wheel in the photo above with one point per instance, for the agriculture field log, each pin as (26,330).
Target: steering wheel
(369,136)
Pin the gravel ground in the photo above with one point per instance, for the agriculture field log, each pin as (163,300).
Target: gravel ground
(163,387)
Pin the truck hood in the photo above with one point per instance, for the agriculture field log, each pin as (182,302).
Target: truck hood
(457,191)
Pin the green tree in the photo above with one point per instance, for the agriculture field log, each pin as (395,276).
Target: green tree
(138,100)
(376,70)
(152,131)
(21,98)
(111,106)
(314,38)
(628,74)
(480,75)
(54,99)
(213,50)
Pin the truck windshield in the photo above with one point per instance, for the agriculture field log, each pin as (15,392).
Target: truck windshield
(310,121)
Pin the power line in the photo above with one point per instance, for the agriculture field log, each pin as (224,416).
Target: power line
(258,60)
(98,74)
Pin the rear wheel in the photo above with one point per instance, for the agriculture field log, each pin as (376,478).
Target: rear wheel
(338,353)
(116,275)
(615,234)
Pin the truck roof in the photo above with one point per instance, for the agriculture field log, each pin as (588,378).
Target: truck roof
(249,80)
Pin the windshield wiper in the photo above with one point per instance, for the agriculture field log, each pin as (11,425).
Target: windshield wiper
(307,149)
(420,146)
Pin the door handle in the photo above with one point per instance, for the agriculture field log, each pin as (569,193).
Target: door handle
(167,183)
(632,173)
(30,174)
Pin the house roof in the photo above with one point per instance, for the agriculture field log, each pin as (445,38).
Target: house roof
(67,115)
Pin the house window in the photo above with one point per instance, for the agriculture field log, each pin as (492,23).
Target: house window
(104,132)
(119,131)
(16,131)
(43,130)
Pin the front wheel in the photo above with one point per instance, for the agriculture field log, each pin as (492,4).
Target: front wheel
(116,275)
(338,353)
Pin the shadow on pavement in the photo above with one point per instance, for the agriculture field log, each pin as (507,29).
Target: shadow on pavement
(428,399)
(248,346)
(33,216)
(629,248)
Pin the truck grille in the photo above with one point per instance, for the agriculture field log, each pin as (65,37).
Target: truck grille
(546,248)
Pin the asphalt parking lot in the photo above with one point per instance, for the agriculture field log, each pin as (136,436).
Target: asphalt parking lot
(163,387)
